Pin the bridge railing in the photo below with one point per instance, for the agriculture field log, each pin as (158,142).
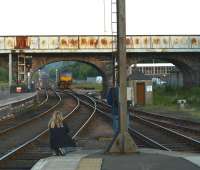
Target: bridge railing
(98,42)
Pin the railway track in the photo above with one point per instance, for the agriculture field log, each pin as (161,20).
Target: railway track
(45,99)
(164,136)
(26,155)
(150,134)
(140,139)
(19,134)
(47,102)
(180,123)
(183,129)
(102,106)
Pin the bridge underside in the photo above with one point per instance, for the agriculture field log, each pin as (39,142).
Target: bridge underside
(187,62)
(101,62)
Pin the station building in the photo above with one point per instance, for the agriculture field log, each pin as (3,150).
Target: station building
(142,88)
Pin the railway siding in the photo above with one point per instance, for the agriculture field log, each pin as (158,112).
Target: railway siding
(38,147)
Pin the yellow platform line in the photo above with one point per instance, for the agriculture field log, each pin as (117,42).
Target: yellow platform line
(90,164)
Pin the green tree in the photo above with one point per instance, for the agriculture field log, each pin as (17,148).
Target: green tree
(80,70)
(3,75)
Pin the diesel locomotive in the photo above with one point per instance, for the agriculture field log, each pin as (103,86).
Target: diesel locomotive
(65,80)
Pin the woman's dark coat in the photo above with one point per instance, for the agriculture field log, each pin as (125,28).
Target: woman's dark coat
(59,137)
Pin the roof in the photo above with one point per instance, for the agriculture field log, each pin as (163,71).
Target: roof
(137,75)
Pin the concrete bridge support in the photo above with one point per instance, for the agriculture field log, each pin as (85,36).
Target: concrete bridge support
(189,64)
(4,63)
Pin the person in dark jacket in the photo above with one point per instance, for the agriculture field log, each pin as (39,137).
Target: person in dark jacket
(59,134)
(112,99)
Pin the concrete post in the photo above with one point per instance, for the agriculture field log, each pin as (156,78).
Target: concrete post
(10,71)
(123,142)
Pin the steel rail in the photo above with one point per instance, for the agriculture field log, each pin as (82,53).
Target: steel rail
(10,153)
(45,100)
(45,132)
(166,117)
(172,125)
(196,142)
(29,120)
(91,116)
(148,140)
(142,136)
(96,104)
(103,102)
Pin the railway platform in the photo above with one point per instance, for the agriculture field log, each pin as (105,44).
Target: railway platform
(145,159)
(16,97)
(7,104)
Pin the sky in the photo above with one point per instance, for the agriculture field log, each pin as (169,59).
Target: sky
(93,17)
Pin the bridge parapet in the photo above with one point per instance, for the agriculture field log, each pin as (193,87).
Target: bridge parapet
(99,43)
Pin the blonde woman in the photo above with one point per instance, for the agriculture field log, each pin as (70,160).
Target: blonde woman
(59,134)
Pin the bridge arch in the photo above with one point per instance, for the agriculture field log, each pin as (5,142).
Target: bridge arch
(187,63)
(100,65)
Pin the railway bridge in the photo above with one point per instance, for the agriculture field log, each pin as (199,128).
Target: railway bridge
(37,51)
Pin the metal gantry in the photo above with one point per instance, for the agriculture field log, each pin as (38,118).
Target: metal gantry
(21,65)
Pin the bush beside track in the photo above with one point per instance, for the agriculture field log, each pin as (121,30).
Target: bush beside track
(165,102)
